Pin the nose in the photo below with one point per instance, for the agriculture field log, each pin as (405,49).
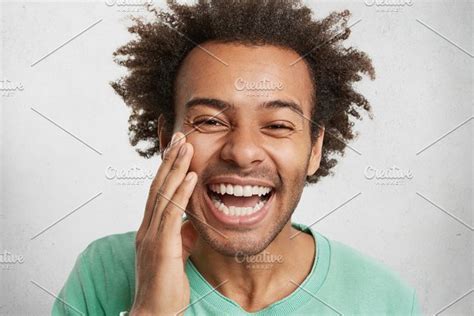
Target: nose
(242,148)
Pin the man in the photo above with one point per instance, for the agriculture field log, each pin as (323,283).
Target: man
(258,96)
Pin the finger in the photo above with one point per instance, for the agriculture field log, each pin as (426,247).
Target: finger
(172,182)
(168,159)
(169,230)
(189,237)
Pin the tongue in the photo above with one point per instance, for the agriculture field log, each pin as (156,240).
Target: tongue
(239,201)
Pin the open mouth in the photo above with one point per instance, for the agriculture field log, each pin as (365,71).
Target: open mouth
(237,200)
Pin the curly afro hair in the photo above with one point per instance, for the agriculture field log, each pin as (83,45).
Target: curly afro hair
(154,56)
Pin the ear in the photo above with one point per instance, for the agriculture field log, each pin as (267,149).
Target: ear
(163,136)
(315,156)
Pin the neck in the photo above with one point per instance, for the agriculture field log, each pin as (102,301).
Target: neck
(255,282)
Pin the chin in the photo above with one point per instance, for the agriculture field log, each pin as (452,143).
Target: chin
(240,216)
(230,243)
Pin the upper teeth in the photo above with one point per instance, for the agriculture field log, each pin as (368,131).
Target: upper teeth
(238,190)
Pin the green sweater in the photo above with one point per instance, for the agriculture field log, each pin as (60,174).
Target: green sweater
(341,281)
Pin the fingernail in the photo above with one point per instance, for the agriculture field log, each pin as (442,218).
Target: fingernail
(171,143)
(182,150)
(173,140)
(189,176)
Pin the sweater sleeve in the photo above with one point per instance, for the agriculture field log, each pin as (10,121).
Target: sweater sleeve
(415,310)
(78,296)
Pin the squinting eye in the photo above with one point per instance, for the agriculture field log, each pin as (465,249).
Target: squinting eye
(208,122)
(209,125)
(280,126)
(279,130)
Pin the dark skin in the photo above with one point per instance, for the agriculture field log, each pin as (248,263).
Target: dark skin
(248,140)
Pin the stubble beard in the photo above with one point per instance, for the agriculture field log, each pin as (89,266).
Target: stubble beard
(243,245)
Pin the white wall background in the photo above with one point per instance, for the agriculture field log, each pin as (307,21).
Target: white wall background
(422,53)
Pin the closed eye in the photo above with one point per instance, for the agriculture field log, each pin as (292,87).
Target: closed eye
(211,122)
(279,129)
(279,126)
(208,125)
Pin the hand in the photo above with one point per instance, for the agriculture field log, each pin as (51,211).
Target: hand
(163,243)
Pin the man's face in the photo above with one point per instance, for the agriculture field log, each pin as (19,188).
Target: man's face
(252,148)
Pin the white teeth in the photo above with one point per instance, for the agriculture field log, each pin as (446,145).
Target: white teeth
(258,206)
(247,190)
(230,189)
(238,190)
(255,190)
(237,211)
(224,209)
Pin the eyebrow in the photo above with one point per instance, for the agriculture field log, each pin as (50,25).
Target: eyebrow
(213,103)
(222,105)
(281,104)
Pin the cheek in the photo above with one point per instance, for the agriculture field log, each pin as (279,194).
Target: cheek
(204,148)
(289,157)
(291,162)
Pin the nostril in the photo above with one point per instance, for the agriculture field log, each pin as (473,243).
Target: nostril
(243,151)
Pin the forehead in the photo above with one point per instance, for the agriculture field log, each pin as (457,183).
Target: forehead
(242,74)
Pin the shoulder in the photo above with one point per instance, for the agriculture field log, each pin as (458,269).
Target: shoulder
(113,254)
(366,283)
(353,264)
(111,245)
(103,278)
(110,264)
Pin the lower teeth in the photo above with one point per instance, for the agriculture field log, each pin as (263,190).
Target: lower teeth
(237,211)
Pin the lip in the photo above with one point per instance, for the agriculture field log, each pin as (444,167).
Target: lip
(246,221)
(239,181)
